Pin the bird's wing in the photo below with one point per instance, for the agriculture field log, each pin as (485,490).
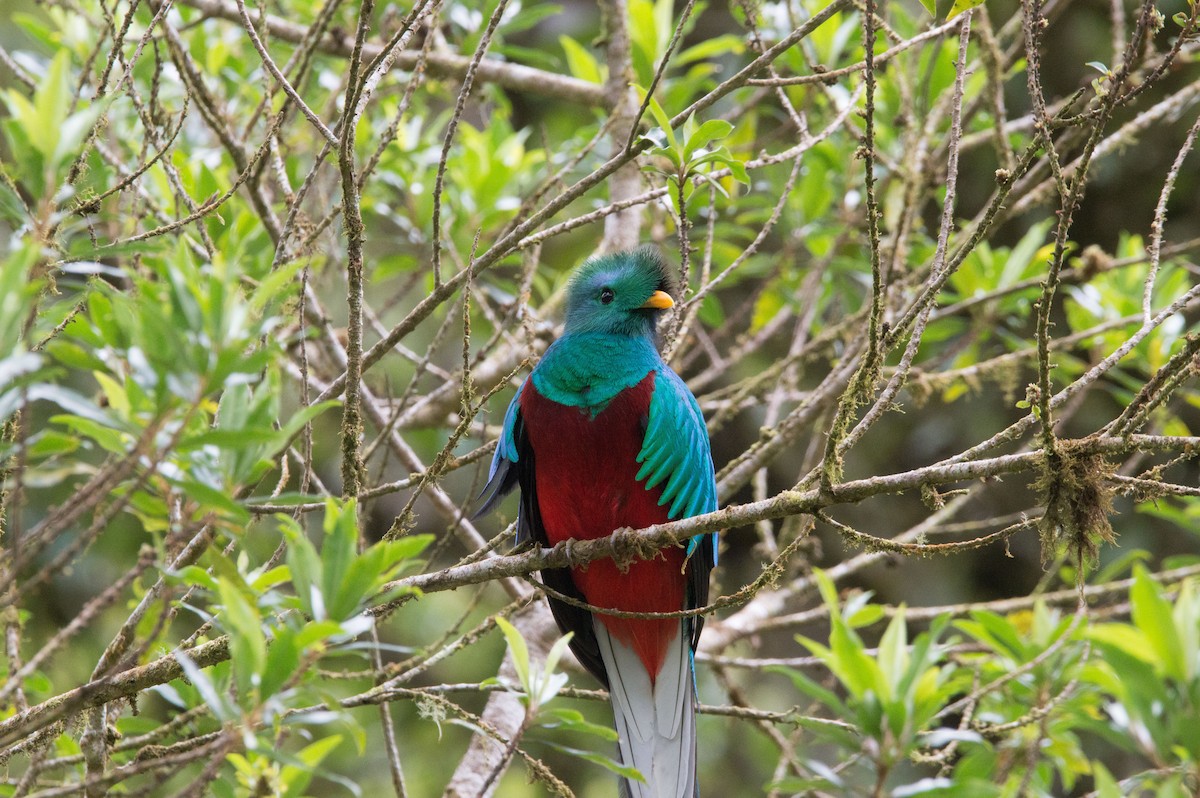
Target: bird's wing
(675,454)
(512,455)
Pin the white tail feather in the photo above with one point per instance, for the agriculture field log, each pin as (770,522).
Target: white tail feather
(656,724)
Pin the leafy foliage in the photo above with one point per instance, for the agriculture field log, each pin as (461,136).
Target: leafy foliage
(195,341)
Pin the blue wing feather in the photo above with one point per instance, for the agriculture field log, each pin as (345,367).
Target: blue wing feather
(676,449)
(506,447)
(502,476)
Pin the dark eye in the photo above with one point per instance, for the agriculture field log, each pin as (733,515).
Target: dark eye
(606,296)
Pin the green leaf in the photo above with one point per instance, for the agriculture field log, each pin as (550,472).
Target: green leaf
(671,154)
(337,554)
(603,761)
(713,47)
(557,650)
(811,689)
(115,393)
(42,119)
(961,6)
(1186,617)
(231,439)
(529,16)
(106,437)
(573,720)
(1121,564)
(302,417)
(518,650)
(211,498)
(50,443)
(1123,637)
(1152,614)
(297,777)
(361,579)
(247,644)
(200,577)
(273,287)
(580,62)
(827,589)
(664,121)
(407,547)
(315,632)
(546,682)
(369,570)
(867,615)
(305,565)
(996,632)
(17,289)
(846,656)
(283,658)
(270,578)
(738,168)
(47,123)
(711,130)
(893,654)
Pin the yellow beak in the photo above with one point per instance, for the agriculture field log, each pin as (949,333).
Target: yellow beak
(659,300)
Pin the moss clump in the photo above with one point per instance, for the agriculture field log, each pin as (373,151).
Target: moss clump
(1074,488)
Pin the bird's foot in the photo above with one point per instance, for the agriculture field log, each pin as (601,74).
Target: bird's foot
(629,547)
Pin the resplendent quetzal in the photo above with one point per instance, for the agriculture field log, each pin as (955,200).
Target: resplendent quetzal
(604,435)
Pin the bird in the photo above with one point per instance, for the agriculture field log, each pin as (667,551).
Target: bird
(600,436)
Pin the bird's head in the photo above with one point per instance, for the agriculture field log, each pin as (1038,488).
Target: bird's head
(624,293)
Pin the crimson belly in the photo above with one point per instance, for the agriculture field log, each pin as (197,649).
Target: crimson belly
(585,469)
